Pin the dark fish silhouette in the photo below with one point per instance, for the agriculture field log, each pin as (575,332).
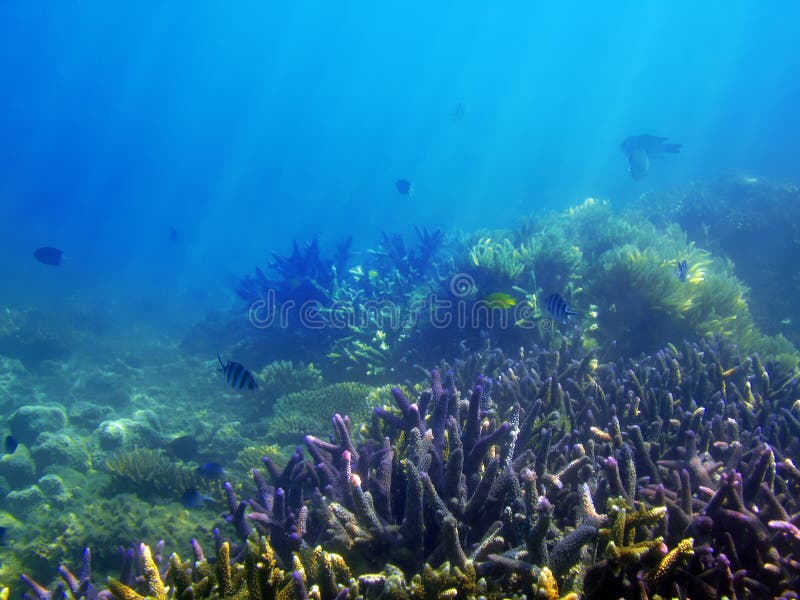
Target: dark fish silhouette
(403,186)
(184,447)
(11,444)
(173,234)
(459,110)
(193,498)
(237,375)
(641,148)
(560,310)
(211,470)
(49,255)
(3,531)
(682,272)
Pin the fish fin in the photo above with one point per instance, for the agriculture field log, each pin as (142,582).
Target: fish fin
(221,364)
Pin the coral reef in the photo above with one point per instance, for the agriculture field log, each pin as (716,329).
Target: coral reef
(732,216)
(671,476)
(378,319)
(28,421)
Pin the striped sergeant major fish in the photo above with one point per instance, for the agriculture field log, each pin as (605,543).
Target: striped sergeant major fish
(560,310)
(236,375)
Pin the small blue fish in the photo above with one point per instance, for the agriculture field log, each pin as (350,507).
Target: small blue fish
(11,444)
(682,272)
(560,310)
(211,470)
(237,375)
(193,498)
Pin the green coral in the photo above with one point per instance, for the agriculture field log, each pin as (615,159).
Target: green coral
(367,351)
(500,260)
(150,472)
(308,412)
(283,376)
(250,457)
(642,304)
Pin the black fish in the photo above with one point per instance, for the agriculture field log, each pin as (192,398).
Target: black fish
(3,531)
(639,149)
(193,498)
(403,186)
(559,308)
(49,255)
(682,272)
(211,470)
(11,444)
(237,375)
(184,447)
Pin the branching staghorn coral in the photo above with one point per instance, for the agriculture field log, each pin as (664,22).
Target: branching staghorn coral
(672,476)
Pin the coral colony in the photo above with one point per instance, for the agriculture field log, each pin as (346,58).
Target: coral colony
(561,477)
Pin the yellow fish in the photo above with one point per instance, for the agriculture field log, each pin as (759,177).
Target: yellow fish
(500,300)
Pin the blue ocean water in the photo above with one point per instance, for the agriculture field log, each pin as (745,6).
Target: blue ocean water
(245,127)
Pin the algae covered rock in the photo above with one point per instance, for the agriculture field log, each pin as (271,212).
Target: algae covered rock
(18,469)
(53,487)
(21,503)
(58,449)
(112,435)
(27,422)
(143,430)
(87,415)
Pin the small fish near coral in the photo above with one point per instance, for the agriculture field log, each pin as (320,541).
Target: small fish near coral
(184,447)
(48,255)
(682,270)
(193,498)
(11,444)
(559,309)
(211,470)
(639,149)
(500,300)
(237,375)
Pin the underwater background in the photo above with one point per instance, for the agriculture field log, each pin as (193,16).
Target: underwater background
(505,293)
